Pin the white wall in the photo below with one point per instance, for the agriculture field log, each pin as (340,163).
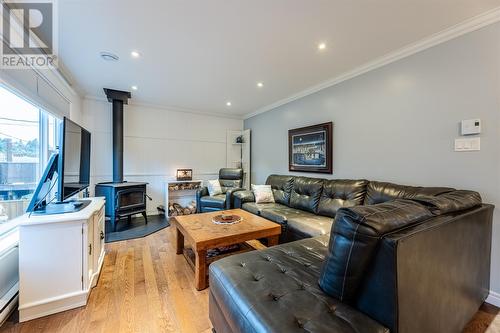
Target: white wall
(156,143)
(398,123)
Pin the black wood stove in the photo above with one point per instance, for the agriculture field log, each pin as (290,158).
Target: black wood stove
(123,199)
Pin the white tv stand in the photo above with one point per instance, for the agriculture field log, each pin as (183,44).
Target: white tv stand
(60,258)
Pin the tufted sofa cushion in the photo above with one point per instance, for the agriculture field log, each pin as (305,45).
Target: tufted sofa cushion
(281,213)
(338,193)
(308,225)
(354,238)
(276,290)
(257,208)
(282,188)
(378,192)
(306,193)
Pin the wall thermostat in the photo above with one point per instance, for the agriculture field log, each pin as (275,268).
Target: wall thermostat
(471,126)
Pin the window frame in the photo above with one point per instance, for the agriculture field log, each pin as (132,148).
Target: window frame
(43,144)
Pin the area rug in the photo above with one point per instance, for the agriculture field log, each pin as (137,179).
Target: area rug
(136,228)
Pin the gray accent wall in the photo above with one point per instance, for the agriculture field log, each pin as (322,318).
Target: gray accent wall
(398,123)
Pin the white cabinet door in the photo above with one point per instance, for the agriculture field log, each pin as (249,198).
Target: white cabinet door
(50,261)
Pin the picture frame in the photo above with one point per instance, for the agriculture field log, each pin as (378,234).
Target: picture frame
(184,174)
(310,148)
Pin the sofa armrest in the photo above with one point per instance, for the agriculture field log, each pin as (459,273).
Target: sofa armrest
(240,197)
(355,236)
(418,273)
(201,192)
(230,196)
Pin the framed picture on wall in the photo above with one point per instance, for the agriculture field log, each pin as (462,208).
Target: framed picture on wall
(310,148)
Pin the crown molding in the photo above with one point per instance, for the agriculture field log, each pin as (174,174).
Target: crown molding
(469,25)
(170,108)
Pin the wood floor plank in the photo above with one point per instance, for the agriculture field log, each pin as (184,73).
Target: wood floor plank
(145,287)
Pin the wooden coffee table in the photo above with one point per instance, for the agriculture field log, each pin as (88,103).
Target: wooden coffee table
(202,234)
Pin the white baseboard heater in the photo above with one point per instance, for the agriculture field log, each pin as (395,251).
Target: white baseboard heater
(9,279)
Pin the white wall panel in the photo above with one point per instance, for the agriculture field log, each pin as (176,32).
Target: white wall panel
(151,156)
(156,143)
(101,150)
(156,123)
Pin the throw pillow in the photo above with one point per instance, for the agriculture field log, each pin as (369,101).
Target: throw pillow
(214,187)
(263,193)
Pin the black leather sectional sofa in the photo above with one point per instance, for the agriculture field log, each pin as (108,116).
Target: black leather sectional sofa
(372,257)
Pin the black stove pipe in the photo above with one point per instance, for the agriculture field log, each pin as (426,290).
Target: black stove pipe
(117,141)
(118,99)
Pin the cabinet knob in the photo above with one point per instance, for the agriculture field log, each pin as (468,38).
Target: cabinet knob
(102,234)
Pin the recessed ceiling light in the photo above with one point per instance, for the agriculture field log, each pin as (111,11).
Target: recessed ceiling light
(135,54)
(321,46)
(228,103)
(260,84)
(134,87)
(108,56)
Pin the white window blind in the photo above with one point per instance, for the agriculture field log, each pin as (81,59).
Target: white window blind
(34,87)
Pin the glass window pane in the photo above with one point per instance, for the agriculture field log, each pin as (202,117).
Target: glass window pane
(19,153)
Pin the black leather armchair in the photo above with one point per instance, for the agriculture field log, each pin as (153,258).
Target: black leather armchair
(231,181)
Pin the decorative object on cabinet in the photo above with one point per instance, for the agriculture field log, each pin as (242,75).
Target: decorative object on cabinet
(70,251)
(310,148)
(184,174)
(180,197)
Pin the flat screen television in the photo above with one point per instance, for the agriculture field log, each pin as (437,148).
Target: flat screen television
(72,166)
(74,159)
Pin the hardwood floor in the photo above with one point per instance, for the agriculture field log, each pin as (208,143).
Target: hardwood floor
(487,319)
(145,287)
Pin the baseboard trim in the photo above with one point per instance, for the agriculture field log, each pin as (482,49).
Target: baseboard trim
(53,305)
(96,275)
(493,298)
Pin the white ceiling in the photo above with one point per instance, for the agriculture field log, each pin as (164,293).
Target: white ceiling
(198,54)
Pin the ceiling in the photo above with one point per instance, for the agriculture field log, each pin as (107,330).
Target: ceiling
(198,54)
